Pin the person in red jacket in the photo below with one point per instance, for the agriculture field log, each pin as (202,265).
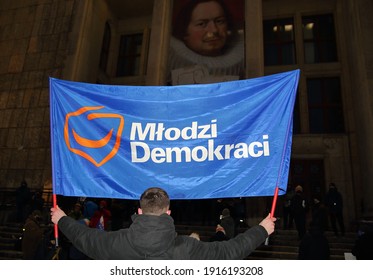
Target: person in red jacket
(101,218)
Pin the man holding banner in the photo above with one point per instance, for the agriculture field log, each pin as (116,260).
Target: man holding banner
(219,140)
(152,236)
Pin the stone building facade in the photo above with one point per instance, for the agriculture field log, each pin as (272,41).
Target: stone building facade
(80,40)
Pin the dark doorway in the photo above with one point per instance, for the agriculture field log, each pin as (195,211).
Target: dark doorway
(309,173)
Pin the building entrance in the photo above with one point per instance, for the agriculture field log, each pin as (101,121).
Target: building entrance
(309,173)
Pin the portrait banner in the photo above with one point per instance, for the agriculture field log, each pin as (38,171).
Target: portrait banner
(207,42)
(228,139)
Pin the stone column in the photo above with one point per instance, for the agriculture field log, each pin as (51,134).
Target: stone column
(254,53)
(159,43)
(359,47)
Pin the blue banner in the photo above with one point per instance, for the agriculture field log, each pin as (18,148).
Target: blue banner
(230,139)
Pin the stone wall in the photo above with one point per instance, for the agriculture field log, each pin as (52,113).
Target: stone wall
(34,43)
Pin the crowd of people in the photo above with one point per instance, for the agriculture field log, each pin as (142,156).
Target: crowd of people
(310,219)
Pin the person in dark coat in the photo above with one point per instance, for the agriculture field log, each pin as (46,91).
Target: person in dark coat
(299,207)
(319,214)
(76,213)
(363,247)
(227,222)
(32,235)
(152,235)
(334,202)
(37,202)
(314,245)
(286,208)
(23,199)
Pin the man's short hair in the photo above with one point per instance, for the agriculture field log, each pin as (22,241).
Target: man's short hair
(154,201)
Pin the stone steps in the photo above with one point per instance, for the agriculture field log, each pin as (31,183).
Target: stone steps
(283,244)
(10,255)
(10,235)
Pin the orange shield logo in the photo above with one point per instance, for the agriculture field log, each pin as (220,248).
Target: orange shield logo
(86,143)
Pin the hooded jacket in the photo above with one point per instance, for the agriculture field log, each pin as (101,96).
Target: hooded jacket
(154,237)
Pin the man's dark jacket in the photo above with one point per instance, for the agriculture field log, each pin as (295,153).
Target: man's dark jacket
(154,237)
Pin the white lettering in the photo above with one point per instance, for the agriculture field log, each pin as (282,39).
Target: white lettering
(172,134)
(255,152)
(241,151)
(178,154)
(266,145)
(141,152)
(203,153)
(158,155)
(134,154)
(136,129)
(192,130)
(157,132)
(216,151)
(214,129)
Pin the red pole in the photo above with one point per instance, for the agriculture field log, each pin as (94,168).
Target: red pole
(55,226)
(274,202)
